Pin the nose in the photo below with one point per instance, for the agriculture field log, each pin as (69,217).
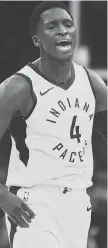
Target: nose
(62,30)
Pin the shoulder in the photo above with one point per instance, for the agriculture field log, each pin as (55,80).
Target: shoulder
(97,80)
(15,93)
(14,85)
(100,90)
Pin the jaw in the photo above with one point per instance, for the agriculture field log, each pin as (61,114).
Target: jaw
(62,58)
(57,55)
(64,51)
(64,54)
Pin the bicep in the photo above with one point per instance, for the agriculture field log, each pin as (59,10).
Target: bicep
(100,90)
(6,110)
(13,98)
(101,97)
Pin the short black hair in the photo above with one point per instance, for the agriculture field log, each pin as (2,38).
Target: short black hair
(42,7)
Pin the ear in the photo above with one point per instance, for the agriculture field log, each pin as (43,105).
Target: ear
(35,40)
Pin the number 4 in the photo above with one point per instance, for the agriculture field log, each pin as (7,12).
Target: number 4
(76,135)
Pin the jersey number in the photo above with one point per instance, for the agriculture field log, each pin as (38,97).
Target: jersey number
(75,134)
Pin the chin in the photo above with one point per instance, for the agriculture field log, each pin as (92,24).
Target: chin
(64,57)
(61,56)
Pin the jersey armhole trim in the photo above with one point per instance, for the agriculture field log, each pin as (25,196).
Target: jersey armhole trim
(91,84)
(32,94)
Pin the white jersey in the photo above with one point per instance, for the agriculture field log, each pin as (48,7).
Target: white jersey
(59,132)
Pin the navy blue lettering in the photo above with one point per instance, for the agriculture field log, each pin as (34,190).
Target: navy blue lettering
(80,156)
(71,157)
(69,102)
(86,107)
(91,116)
(51,121)
(54,112)
(62,106)
(58,147)
(63,154)
(76,103)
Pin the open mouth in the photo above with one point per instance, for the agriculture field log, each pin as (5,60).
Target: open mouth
(63,45)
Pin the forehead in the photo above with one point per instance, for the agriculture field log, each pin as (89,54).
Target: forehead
(55,13)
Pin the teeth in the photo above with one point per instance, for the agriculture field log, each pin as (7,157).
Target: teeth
(63,43)
(66,47)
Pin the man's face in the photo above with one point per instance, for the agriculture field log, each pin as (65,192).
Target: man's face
(57,34)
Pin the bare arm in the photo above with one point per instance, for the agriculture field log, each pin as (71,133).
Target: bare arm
(5,149)
(100,90)
(9,203)
(15,96)
(100,120)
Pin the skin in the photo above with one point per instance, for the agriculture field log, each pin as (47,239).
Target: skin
(4,241)
(5,148)
(16,88)
(55,64)
(55,25)
(17,125)
(15,92)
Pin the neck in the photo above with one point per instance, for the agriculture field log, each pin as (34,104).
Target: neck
(56,70)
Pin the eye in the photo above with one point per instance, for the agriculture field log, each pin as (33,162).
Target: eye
(68,24)
(51,26)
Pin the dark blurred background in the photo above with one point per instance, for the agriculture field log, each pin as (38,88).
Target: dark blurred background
(16,50)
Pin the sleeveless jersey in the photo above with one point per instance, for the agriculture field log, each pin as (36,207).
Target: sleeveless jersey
(59,132)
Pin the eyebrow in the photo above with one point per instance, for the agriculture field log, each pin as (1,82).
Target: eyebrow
(55,20)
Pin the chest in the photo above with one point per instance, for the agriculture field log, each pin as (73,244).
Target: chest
(59,112)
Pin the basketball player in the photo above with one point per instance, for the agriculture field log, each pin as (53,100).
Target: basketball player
(58,99)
